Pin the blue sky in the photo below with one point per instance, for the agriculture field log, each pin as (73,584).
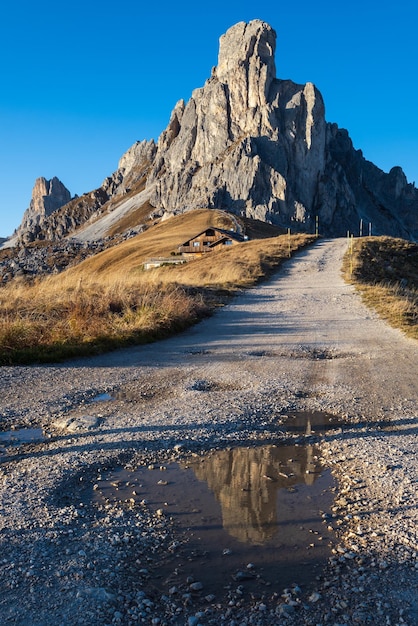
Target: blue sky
(80,82)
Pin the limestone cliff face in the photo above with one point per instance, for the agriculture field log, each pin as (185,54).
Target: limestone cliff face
(133,168)
(47,197)
(245,141)
(256,145)
(249,143)
(354,189)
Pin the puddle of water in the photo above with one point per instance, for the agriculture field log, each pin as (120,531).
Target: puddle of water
(260,353)
(311,423)
(21,436)
(133,395)
(259,506)
(126,394)
(102,397)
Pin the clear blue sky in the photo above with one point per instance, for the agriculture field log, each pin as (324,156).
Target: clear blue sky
(80,82)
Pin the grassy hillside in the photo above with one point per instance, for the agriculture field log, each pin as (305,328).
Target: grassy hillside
(109,301)
(160,240)
(385,271)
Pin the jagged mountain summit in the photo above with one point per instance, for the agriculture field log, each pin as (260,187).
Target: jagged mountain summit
(47,197)
(252,144)
(257,145)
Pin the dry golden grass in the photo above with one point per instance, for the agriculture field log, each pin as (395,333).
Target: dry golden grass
(385,271)
(234,267)
(108,301)
(52,319)
(160,240)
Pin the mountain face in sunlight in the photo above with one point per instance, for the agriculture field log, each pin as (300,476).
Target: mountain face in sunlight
(251,144)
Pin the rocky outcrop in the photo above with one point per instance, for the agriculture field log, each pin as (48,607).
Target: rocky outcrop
(47,197)
(353,193)
(47,258)
(133,168)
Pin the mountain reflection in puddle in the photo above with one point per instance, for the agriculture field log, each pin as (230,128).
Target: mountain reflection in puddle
(247,481)
(258,505)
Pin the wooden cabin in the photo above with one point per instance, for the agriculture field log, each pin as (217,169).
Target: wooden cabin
(210,239)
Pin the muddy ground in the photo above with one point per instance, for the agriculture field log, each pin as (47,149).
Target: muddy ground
(301,342)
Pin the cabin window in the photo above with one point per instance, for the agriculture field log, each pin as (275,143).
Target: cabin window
(196,244)
(228,242)
(210,232)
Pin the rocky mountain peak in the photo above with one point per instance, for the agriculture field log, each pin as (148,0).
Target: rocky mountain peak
(245,142)
(260,146)
(47,197)
(246,60)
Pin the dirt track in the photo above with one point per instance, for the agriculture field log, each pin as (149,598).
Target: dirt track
(301,341)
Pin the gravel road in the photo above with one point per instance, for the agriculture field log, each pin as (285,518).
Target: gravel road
(303,341)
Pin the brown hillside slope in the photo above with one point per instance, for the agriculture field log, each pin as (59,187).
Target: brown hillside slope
(160,240)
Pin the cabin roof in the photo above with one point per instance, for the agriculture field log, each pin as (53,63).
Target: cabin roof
(231,234)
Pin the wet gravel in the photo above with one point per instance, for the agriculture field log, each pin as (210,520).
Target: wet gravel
(301,342)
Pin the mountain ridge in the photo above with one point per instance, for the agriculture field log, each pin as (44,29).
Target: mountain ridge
(252,144)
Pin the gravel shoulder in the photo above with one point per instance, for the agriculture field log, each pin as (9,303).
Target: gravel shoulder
(303,341)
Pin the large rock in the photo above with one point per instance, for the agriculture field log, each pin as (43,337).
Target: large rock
(245,141)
